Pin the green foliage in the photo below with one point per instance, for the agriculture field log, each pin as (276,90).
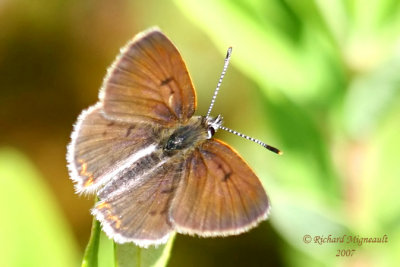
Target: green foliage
(126,254)
(103,252)
(317,79)
(90,257)
(328,76)
(35,231)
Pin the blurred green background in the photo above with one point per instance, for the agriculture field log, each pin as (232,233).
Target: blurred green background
(318,79)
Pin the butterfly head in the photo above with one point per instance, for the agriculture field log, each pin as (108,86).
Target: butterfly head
(213,124)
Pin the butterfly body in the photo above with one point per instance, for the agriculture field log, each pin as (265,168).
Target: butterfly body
(175,145)
(187,136)
(154,166)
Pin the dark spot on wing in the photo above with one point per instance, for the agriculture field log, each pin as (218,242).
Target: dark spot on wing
(153,212)
(167,81)
(227,176)
(111,123)
(164,211)
(168,191)
(128,132)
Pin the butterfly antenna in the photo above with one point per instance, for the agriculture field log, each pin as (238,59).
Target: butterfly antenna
(227,58)
(270,148)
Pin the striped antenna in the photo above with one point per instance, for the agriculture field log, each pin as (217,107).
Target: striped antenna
(270,148)
(218,120)
(227,58)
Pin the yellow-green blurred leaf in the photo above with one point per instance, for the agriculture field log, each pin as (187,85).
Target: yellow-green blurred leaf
(33,231)
(90,257)
(132,255)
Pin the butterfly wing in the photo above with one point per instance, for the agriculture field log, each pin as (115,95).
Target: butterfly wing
(149,81)
(139,212)
(148,87)
(102,148)
(219,195)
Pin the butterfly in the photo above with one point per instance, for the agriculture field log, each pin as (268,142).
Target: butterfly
(156,167)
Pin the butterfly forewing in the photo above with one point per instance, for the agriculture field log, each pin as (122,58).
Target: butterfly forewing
(219,195)
(140,214)
(149,82)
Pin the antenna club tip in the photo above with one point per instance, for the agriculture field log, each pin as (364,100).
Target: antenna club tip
(229,52)
(273,149)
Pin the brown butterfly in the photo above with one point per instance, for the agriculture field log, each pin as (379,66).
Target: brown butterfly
(154,166)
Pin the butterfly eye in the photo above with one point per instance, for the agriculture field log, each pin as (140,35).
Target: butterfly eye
(211,132)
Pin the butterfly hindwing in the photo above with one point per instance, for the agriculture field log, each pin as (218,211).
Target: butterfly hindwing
(139,214)
(219,195)
(101,148)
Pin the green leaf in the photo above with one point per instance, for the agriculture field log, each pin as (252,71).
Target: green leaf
(370,97)
(296,215)
(99,251)
(299,67)
(33,231)
(328,17)
(131,255)
(90,258)
(106,256)
(379,208)
(102,251)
